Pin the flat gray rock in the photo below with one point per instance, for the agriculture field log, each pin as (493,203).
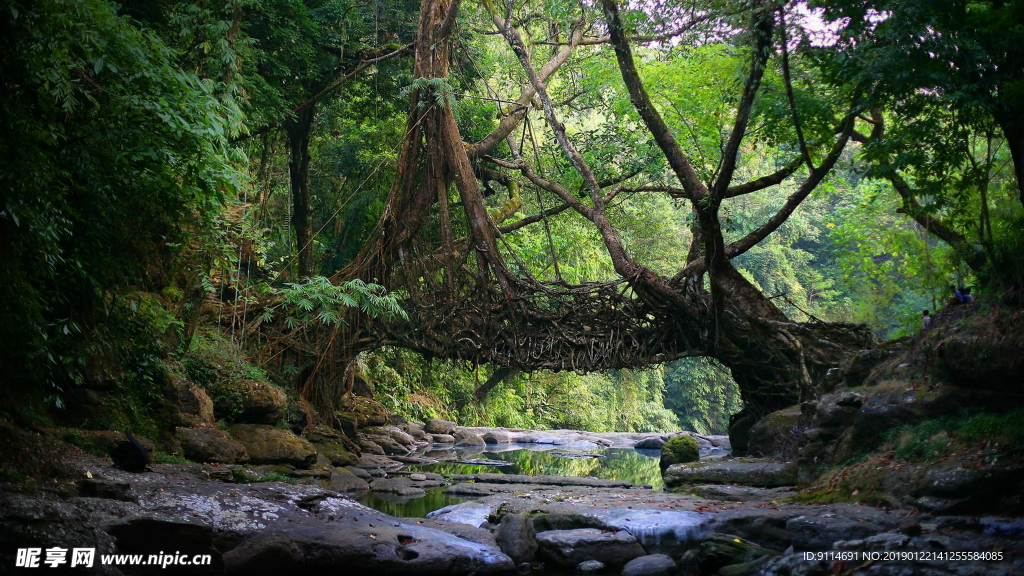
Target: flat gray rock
(764,474)
(569,548)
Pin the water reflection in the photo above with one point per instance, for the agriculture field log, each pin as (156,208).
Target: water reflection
(627,464)
(638,467)
(405,507)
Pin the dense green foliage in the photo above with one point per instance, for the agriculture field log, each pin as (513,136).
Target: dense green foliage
(111,155)
(934,439)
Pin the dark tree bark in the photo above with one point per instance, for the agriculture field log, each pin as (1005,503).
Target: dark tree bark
(1013,130)
(499,375)
(299,130)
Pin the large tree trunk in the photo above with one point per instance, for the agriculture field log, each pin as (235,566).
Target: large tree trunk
(299,130)
(1013,130)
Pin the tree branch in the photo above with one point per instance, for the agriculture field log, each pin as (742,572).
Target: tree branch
(764,181)
(522,104)
(763,24)
(752,239)
(642,102)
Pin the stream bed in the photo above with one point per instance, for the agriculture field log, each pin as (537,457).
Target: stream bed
(636,466)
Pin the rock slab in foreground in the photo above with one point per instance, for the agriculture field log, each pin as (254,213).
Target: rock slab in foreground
(764,474)
(266,528)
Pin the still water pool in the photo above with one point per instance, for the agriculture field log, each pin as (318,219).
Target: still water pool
(627,464)
(639,467)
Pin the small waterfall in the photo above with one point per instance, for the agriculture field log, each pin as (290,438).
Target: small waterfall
(659,530)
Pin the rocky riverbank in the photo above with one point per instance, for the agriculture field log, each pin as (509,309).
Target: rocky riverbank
(557,525)
(726,515)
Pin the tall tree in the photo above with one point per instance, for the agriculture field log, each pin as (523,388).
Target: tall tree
(773,359)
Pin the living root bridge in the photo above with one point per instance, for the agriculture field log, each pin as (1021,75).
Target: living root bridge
(555,326)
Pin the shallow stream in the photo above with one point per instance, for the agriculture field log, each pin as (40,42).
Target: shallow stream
(637,466)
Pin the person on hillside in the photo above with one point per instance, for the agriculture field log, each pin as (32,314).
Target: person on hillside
(957,298)
(926,320)
(965,295)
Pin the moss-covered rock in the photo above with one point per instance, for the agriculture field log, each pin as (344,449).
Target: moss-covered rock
(299,414)
(241,391)
(679,450)
(778,433)
(210,445)
(337,454)
(364,411)
(720,550)
(346,422)
(248,401)
(194,405)
(270,445)
(331,445)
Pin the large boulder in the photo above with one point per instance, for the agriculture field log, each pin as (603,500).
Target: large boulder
(343,480)
(399,486)
(497,437)
(393,432)
(194,405)
(271,445)
(467,438)
(989,361)
(651,443)
(299,414)
(517,538)
(368,446)
(568,548)
(387,444)
(777,433)
(330,444)
(210,445)
(417,430)
(363,411)
(438,426)
(679,450)
(248,400)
